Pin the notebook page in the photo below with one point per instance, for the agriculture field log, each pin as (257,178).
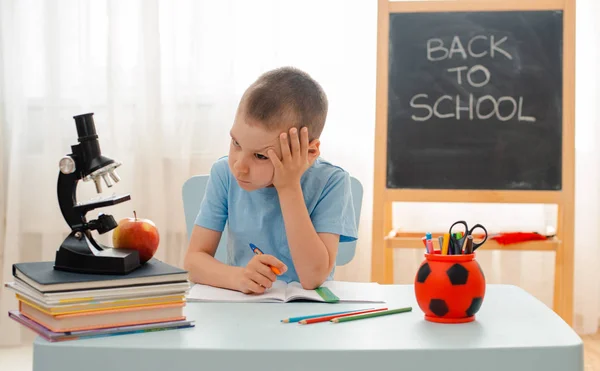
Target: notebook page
(365,292)
(205,293)
(295,291)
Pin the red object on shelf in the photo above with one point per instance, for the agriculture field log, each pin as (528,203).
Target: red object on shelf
(517,237)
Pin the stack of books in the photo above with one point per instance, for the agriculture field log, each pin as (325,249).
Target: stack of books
(62,305)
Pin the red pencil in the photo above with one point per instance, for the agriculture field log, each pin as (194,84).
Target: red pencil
(327,318)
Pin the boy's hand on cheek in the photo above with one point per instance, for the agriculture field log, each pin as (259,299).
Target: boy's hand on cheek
(257,276)
(294,159)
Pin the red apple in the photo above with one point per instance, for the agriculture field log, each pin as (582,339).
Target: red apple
(138,234)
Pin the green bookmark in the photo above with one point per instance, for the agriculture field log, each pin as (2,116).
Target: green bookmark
(327,295)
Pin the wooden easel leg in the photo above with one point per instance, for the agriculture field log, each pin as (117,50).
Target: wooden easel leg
(381,257)
(564,274)
(568,285)
(557,302)
(378,242)
(565,231)
(389,266)
(563,284)
(377,258)
(381,224)
(388,253)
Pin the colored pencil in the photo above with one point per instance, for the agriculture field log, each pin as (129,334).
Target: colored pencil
(327,318)
(300,318)
(371,315)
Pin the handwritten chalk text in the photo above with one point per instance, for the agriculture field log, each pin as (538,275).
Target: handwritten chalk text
(485,106)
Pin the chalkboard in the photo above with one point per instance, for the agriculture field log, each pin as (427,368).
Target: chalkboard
(475,100)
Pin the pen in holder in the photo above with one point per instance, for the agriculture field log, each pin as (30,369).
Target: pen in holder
(450,288)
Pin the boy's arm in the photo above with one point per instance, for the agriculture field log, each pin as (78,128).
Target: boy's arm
(201,264)
(256,277)
(199,260)
(313,253)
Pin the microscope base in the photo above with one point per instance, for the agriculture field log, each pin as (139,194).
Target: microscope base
(78,254)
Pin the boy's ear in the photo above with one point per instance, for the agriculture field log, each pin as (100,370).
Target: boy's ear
(313,150)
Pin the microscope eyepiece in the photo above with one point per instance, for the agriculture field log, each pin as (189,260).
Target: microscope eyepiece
(86,129)
(94,166)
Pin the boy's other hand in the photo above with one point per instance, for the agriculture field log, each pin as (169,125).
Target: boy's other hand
(294,158)
(257,276)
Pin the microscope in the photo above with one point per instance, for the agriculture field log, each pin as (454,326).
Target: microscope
(79,252)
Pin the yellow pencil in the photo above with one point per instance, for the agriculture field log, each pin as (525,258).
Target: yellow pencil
(446,242)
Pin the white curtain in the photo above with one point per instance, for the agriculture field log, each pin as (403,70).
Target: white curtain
(163,79)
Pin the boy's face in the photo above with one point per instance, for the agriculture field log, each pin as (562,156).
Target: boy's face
(248,158)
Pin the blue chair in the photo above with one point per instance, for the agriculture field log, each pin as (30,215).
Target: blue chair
(193,192)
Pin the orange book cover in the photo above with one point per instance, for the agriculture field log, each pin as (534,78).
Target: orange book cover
(104,319)
(100,306)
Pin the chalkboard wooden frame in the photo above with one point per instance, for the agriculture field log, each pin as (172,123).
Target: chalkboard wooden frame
(385,239)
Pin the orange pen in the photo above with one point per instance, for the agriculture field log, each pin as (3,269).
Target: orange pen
(257,251)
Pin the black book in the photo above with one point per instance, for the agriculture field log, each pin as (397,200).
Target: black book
(43,277)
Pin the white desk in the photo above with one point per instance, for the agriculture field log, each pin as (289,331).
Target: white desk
(513,331)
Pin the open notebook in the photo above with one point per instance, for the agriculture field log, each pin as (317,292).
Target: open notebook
(281,292)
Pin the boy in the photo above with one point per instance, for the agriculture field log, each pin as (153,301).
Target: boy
(275,192)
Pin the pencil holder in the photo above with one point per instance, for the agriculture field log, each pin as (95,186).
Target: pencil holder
(450,288)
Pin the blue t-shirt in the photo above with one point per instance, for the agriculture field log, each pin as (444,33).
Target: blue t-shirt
(255,217)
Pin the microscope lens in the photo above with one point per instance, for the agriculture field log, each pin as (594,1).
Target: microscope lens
(107,180)
(114,176)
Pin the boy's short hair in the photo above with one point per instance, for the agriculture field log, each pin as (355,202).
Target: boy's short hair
(284,98)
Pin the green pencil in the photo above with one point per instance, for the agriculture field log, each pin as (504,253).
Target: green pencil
(371,315)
